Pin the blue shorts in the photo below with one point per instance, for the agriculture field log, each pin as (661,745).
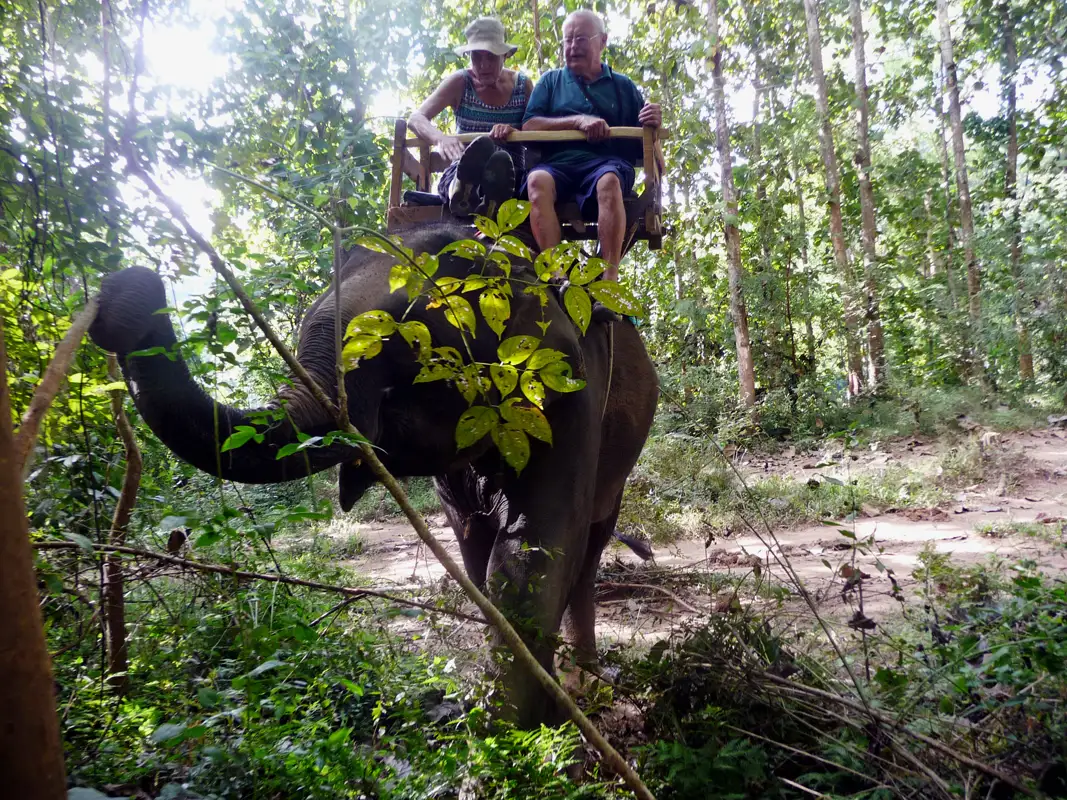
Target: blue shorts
(578,181)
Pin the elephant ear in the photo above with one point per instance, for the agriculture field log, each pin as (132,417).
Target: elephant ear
(353,482)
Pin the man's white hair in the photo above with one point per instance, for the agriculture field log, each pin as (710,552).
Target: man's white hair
(585,13)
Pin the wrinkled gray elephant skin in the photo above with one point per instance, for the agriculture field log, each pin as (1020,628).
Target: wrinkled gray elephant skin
(533,540)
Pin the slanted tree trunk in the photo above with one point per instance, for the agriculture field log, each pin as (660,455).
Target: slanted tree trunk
(875,339)
(833,191)
(31,757)
(802,232)
(963,190)
(113,583)
(738,312)
(1011,65)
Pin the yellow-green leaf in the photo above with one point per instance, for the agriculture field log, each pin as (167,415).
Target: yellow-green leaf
(543,357)
(427,263)
(487,226)
(473,424)
(434,372)
(400,276)
(415,332)
(512,214)
(506,378)
(532,388)
(516,349)
(496,309)
(514,247)
(471,382)
(557,376)
(447,285)
(501,260)
(513,446)
(586,272)
(616,297)
(375,243)
(364,345)
(529,419)
(579,306)
(474,282)
(459,313)
(376,322)
(465,248)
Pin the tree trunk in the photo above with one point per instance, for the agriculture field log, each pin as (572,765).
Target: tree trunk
(31,757)
(1011,64)
(970,260)
(833,191)
(802,225)
(875,339)
(946,184)
(738,311)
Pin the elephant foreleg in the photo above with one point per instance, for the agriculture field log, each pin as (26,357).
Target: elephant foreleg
(580,619)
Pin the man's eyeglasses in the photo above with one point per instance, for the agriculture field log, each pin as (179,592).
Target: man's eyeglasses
(580,40)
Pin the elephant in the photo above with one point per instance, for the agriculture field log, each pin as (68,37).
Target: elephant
(532,539)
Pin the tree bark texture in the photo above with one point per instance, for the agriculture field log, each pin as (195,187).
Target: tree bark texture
(1011,66)
(113,583)
(833,191)
(875,338)
(970,260)
(31,757)
(738,312)
(802,232)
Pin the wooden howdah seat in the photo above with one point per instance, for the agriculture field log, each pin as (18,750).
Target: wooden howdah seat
(414,158)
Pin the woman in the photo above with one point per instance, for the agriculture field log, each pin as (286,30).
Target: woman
(485,99)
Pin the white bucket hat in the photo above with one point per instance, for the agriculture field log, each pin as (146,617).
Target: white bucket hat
(486,33)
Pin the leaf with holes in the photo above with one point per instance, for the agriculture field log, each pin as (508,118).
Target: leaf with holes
(516,349)
(358,347)
(465,248)
(514,247)
(416,333)
(474,423)
(434,372)
(471,382)
(512,214)
(587,272)
(487,226)
(513,445)
(496,309)
(459,313)
(540,291)
(506,378)
(533,388)
(544,357)
(557,376)
(616,297)
(579,306)
(444,287)
(241,434)
(528,418)
(378,323)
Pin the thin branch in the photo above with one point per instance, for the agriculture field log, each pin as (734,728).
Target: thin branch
(219,569)
(48,388)
(649,587)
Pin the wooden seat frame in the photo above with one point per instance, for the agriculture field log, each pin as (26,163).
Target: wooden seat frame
(644,212)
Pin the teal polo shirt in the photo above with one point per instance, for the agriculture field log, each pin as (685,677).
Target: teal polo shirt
(559,94)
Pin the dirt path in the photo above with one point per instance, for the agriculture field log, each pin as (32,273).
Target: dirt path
(1037,493)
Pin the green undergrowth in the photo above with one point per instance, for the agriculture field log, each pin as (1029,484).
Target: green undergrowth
(1047,531)
(734,709)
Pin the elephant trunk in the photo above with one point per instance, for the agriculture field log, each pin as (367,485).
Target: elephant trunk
(189,422)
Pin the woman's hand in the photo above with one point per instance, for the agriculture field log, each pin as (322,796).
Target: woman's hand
(501,132)
(451,148)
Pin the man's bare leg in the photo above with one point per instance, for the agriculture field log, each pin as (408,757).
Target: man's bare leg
(541,187)
(611,223)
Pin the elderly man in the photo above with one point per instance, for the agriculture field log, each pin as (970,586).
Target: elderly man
(587,96)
